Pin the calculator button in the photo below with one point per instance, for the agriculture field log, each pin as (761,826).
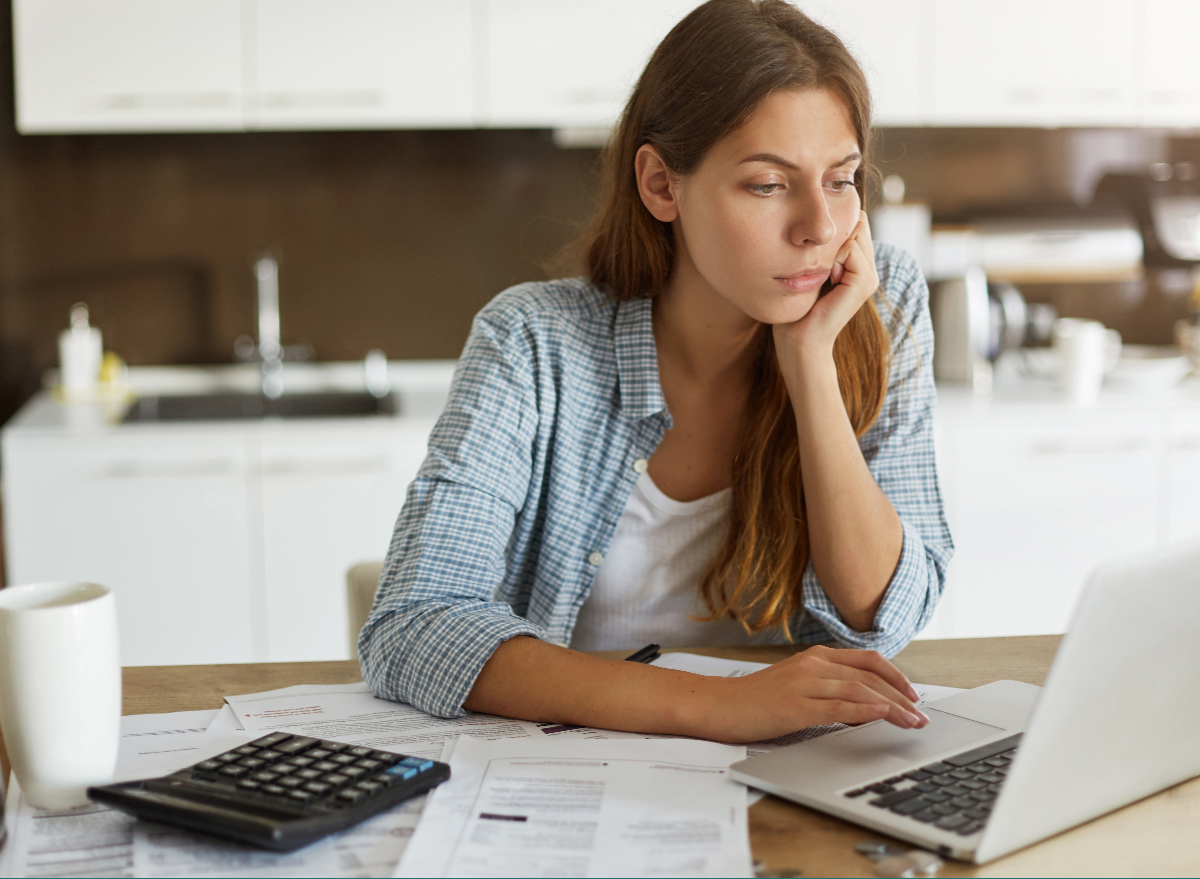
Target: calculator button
(336,779)
(416,761)
(403,772)
(247,784)
(273,789)
(271,740)
(317,787)
(325,766)
(233,771)
(308,774)
(226,758)
(352,795)
(319,753)
(247,750)
(385,757)
(361,752)
(301,795)
(334,747)
(369,786)
(369,764)
(426,766)
(251,762)
(208,766)
(291,781)
(265,776)
(268,755)
(352,771)
(343,758)
(296,745)
(299,761)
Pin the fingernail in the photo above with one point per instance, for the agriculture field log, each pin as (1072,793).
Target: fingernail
(913,694)
(917,723)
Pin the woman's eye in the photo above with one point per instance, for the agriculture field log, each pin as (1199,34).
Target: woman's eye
(841,185)
(765,188)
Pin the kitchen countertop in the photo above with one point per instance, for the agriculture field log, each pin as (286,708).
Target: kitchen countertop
(420,384)
(422,387)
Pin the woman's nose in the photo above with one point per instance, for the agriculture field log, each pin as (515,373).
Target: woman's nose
(812,223)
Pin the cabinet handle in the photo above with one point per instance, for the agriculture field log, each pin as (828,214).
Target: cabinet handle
(326,466)
(176,468)
(1090,447)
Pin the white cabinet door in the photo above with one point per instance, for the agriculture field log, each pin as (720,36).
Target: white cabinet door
(891,40)
(1181,488)
(1036,502)
(128,65)
(360,64)
(551,63)
(1171,77)
(330,498)
(1035,62)
(161,520)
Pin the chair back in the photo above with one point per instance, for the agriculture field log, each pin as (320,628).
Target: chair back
(361,581)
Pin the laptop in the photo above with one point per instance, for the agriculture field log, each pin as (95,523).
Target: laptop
(1005,765)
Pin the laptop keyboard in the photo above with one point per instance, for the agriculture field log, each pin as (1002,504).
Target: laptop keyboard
(954,794)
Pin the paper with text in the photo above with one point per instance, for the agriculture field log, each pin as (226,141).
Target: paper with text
(584,807)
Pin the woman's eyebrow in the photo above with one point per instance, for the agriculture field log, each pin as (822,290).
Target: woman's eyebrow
(773,159)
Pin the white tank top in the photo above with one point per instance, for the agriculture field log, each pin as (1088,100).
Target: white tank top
(648,583)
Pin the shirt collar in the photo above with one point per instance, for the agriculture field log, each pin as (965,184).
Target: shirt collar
(637,359)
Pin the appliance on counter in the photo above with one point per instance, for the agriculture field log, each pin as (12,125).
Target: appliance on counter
(1164,202)
(976,268)
(976,320)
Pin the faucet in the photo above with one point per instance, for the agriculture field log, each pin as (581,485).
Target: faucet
(270,351)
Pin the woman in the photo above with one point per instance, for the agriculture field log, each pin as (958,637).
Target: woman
(722,434)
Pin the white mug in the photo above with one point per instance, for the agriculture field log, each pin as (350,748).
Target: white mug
(60,689)
(1086,351)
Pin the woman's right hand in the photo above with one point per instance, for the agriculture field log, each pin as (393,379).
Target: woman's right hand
(818,686)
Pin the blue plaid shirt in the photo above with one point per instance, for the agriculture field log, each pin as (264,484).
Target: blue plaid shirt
(555,397)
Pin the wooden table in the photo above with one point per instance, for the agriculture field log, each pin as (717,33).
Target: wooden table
(1150,838)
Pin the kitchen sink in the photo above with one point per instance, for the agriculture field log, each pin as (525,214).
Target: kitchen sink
(241,406)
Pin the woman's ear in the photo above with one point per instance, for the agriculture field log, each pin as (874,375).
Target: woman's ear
(655,184)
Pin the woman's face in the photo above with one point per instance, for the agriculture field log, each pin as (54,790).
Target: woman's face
(762,218)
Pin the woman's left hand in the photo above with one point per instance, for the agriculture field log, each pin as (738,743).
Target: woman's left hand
(854,279)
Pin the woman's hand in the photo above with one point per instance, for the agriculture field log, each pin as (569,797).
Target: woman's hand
(819,686)
(854,279)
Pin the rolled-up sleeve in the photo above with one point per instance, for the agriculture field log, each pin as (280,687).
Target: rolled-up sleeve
(434,622)
(899,452)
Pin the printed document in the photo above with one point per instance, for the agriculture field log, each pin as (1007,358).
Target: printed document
(584,807)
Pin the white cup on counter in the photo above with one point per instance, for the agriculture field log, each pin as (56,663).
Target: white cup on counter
(1086,351)
(60,689)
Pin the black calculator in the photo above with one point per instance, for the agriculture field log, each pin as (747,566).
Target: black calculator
(279,792)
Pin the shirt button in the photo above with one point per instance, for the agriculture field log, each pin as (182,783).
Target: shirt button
(641,465)
(595,559)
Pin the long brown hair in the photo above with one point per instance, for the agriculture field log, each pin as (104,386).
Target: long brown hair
(705,80)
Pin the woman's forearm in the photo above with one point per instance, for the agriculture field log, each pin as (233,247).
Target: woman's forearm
(533,680)
(854,533)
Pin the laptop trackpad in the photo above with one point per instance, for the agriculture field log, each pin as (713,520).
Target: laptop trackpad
(945,733)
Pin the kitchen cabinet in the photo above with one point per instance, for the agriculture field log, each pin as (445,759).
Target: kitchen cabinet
(551,64)
(223,541)
(161,518)
(891,40)
(128,65)
(1181,477)
(1171,86)
(329,498)
(1036,62)
(196,65)
(1035,500)
(359,64)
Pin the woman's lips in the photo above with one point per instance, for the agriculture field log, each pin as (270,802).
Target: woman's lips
(804,282)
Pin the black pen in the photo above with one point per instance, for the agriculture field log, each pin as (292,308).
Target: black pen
(647,654)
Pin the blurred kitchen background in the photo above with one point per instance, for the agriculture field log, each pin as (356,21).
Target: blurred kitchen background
(405,160)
